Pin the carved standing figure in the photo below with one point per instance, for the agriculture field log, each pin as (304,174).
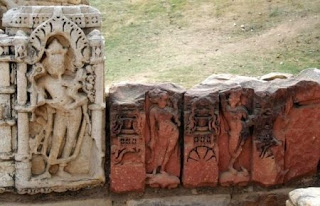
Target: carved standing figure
(164,122)
(57,89)
(238,120)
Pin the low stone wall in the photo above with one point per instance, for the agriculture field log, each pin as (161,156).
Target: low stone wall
(59,133)
(228,130)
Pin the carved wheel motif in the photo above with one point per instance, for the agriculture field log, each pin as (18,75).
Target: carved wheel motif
(201,154)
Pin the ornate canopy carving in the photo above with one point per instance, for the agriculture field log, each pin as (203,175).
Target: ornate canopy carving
(59,25)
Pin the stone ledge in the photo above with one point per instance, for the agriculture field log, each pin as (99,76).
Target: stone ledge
(201,200)
(91,202)
(177,197)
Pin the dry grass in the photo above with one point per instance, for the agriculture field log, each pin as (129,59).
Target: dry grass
(184,41)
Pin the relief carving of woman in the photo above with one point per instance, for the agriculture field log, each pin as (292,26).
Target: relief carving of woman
(164,136)
(238,120)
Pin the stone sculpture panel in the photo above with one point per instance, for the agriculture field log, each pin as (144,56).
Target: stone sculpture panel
(268,142)
(236,110)
(302,141)
(163,139)
(202,129)
(127,141)
(263,128)
(227,131)
(145,125)
(58,69)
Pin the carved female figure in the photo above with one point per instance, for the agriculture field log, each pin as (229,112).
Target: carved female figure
(164,131)
(238,120)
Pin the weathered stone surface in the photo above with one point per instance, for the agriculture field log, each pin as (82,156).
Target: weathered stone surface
(144,127)
(202,128)
(275,75)
(275,197)
(237,129)
(304,197)
(267,129)
(244,198)
(6,5)
(28,18)
(201,200)
(58,70)
(7,120)
(127,139)
(16,3)
(92,202)
(7,172)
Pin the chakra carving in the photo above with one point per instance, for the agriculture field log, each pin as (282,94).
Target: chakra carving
(60,105)
(202,128)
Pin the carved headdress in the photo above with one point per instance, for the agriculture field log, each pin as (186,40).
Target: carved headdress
(56,48)
(55,62)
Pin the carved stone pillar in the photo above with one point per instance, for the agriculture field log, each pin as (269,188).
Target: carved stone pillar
(9,61)
(60,97)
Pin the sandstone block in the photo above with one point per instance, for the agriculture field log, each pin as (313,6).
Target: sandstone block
(145,135)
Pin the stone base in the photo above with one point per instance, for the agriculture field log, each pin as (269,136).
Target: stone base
(178,197)
(126,178)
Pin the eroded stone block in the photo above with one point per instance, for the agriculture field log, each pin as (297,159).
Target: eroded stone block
(7,119)
(127,139)
(59,73)
(267,129)
(145,125)
(202,128)
(7,172)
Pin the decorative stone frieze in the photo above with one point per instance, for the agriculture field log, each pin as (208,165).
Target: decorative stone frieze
(226,131)
(261,130)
